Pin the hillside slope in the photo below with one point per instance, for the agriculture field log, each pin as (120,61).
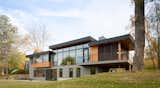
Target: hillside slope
(145,79)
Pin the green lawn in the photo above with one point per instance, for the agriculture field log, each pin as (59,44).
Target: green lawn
(145,79)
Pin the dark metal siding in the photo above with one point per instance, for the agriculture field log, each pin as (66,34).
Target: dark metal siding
(108,52)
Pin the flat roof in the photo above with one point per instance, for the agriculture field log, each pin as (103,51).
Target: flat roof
(39,53)
(73,42)
(114,39)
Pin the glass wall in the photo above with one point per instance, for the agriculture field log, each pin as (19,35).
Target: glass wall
(60,57)
(79,56)
(86,55)
(79,52)
(41,58)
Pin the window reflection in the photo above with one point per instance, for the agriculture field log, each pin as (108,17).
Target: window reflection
(60,58)
(42,58)
(79,56)
(79,52)
(65,54)
(72,53)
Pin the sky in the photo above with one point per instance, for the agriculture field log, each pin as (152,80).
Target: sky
(70,19)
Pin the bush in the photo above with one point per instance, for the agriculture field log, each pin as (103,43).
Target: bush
(68,61)
(18,71)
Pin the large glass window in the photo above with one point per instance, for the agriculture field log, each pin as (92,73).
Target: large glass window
(72,48)
(60,50)
(65,54)
(80,53)
(79,57)
(72,53)
(66,49)
(85,46)
(56,59)
(86,55)
(45,58)
(79,46)
(39,60)
(52,59)
(60,58)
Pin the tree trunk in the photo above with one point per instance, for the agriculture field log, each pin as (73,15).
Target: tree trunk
(138,60)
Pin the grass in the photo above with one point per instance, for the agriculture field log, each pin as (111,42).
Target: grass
(145,79)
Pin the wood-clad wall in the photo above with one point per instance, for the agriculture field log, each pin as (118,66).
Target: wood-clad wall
(43,64)
(94,54)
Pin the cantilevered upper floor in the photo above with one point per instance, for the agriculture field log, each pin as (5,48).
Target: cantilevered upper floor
(116,48)
(41,59)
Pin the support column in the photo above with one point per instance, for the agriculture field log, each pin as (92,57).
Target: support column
(57,73)
(119,51)
(74,71)
(31,70)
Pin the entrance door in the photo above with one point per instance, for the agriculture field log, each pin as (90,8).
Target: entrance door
(51,74)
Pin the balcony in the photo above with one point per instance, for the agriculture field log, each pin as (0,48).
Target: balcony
(42,64)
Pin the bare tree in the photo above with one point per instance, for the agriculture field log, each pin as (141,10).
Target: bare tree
(37,37)
(150,49)
(154,22)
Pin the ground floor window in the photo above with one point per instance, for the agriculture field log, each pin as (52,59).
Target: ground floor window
(78,72)
(61,72)
(93,70)
(70,72)
(39,73)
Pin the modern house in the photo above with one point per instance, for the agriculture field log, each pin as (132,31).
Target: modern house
(91,56)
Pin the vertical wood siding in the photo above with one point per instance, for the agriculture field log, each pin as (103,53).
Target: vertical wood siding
(94,54)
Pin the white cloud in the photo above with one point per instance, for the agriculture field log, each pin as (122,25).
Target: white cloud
(19,18)
(108,19)
(96,18)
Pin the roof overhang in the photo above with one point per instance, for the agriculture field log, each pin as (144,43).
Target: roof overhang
(39,53)
(128,39)
(72,43)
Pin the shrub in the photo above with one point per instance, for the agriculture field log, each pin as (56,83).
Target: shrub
(68,61)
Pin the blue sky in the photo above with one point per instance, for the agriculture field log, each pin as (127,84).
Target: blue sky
(70,19)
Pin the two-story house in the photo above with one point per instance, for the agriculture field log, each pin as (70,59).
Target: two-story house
(91,56)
